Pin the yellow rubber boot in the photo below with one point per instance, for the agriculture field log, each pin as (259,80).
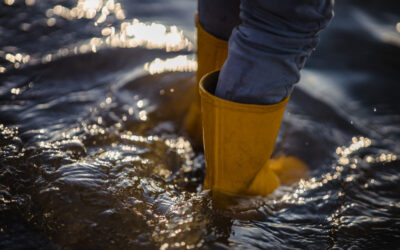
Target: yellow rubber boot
(211,55)
(238,143)
(289,169)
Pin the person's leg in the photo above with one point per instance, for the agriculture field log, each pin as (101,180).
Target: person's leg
(243,105)
(214,22)
(219,17)
(270,47)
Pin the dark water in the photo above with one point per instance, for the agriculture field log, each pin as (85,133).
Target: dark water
(92,154)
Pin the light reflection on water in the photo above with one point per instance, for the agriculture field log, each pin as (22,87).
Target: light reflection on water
(88,9)
(127,34)
(179,63)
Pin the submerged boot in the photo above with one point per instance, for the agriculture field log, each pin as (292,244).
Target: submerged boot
(211,55)
(238,143)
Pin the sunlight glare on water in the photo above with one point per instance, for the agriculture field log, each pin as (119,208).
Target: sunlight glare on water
(179,63)
(131,34)
(124,34)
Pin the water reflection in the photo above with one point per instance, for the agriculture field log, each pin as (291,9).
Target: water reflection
(121,34)
(16,59)
(30,2)
(129,35)
(151,36)
(9,2)
(386,33)
(179,63)
(346,161)
(88,9)
(357,144)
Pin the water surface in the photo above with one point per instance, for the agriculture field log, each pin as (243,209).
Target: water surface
(92,153)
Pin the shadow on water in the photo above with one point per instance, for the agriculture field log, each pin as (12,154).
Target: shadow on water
(92,153)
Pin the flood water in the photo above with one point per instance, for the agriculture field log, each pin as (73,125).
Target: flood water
(92,152)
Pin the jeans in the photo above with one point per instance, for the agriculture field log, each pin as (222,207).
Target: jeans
(269,43)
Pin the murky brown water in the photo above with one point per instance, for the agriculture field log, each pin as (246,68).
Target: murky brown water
(92,153)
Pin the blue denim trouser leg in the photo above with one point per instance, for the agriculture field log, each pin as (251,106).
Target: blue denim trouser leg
(268,48)
(219,17)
